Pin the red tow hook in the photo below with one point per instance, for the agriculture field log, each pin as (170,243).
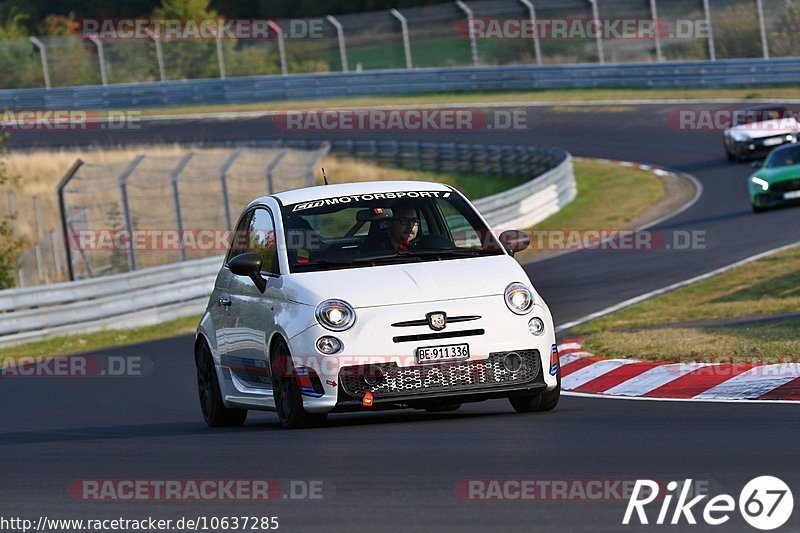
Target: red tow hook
(367,401)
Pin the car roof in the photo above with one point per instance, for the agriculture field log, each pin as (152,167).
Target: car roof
(345,189)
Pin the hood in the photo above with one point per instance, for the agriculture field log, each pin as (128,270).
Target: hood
(774,175)
(407,283)
(768,128)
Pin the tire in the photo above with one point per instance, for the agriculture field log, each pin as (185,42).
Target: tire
(731,157)
(442,407)
(288,401)
(544,401)
(214,411)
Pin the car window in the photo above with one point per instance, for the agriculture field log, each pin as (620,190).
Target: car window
(261,240)
(239,239)
(394,227)
(784,158)
(256,233)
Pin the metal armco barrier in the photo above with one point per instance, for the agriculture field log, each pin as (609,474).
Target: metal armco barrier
(684,74)
(165,292)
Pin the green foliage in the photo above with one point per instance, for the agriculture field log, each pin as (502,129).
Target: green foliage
(11,245)
(784,42)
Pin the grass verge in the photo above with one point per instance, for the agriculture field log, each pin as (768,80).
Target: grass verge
(610,197)
(662,328)
(109,338)
(489,97)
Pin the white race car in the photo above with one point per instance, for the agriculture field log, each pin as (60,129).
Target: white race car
(371,296)
(758,130)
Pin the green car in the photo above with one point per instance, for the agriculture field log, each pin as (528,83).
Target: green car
(777,182)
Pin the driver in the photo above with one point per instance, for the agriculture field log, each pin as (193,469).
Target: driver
(403,226)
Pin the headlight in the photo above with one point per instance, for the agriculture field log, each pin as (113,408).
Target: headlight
(335,315)
(764,184)
(740,137)
(519,298)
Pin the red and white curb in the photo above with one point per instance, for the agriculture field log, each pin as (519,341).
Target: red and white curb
(584,372)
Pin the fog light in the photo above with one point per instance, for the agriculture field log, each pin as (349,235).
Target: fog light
(329,345)
(536,326)
(512,362)
(373,376)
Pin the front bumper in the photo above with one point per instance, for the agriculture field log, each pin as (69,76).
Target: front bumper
(756,148)
(373,347)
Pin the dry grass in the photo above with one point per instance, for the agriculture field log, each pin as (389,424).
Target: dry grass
(770,286)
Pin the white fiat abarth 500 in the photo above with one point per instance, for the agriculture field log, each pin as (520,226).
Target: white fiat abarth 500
(371,296)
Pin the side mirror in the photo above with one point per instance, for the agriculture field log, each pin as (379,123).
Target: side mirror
(514,241)
(249,264)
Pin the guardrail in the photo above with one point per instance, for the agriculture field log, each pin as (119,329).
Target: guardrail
(166,292)
(684,74)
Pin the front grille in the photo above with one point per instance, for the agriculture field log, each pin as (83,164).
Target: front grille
(786,186)
(440,335)
(461,375)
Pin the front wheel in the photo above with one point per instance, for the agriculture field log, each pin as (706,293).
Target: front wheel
(545,401)
(214,411)
(288,401)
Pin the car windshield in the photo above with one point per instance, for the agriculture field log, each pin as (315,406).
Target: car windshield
(752,116)
(785,157)
(354,231)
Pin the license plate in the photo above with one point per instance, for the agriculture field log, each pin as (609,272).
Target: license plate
(436,354)
(791,195)
(773,141)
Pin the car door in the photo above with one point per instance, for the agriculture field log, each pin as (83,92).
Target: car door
(220,303)
(251,315)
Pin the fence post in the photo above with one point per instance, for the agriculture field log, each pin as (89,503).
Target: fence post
(473,45)
(63,211)
(12,210)
(43,54)
(406,41)
(101,56)
(223,171)
(271,168)
(56,256)
(220,55)
(340,37)
(126,211)
(599,38)
(763,25)
(712,51)
(37,247)
(281,46)
(537,44)
(654,14)
(162,73)
(176,199)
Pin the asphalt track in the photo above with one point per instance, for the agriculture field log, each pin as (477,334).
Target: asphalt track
(398,471)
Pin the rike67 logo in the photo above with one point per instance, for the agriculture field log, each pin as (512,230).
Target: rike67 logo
(765,503)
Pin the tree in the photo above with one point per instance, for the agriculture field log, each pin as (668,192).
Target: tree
(11,245)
